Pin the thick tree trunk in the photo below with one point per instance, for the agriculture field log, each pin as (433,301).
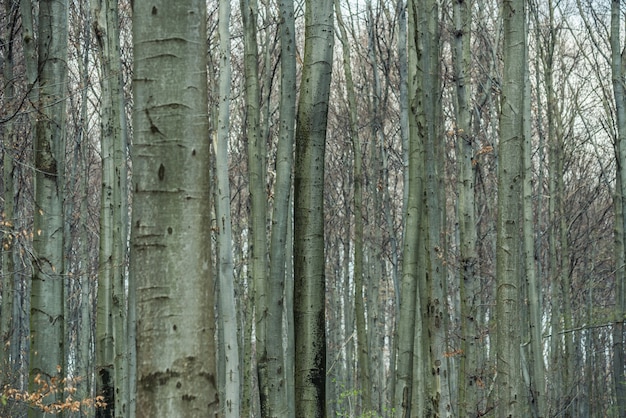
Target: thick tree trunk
(170,243)
(509,222)
(309,276)
(47,356)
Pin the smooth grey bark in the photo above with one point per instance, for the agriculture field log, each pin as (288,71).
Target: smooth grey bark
(536,367)
(289,332)
(349,370)
(422,342)
(248,402)
(225,265)
(309,277)
(509,220)
(83,383)
(556,360)
(278,391)
(537,387)
(470,380)
(404,136)
(47,335)
(618,63)
(620,257)
(170,237)
(7,232)
(21,311)
(405,391)
(112,361)
(29,45)
(256,159)
(432,288)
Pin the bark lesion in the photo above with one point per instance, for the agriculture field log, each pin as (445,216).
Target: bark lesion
(45,162)
(159,378)
(108,393)
(153,128)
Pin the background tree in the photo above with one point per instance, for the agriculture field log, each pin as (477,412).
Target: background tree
(7,231)
(229,356)
(470,381)
(618,60)
(363,375)
(279,388)
(433,283)
(510,179)
(111,322)
(309,282)
(410,304)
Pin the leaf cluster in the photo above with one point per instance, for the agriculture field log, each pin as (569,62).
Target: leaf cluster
(47,388)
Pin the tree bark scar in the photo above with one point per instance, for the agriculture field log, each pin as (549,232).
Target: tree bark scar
(161,172)
(153,128)
(45,160)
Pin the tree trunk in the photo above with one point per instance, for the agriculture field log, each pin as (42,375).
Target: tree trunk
(409,295)
(470,380)
(47,356)
(84,289)
(619,380)
(7,219)
(111,324)
(536,368)
(538,389)
(170,242)
(309,277)
(225,268)
(277,400)
(509,221)
(432,289)
(257,191)
(347,290)
(404,138)
(289,331)
(618,63)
